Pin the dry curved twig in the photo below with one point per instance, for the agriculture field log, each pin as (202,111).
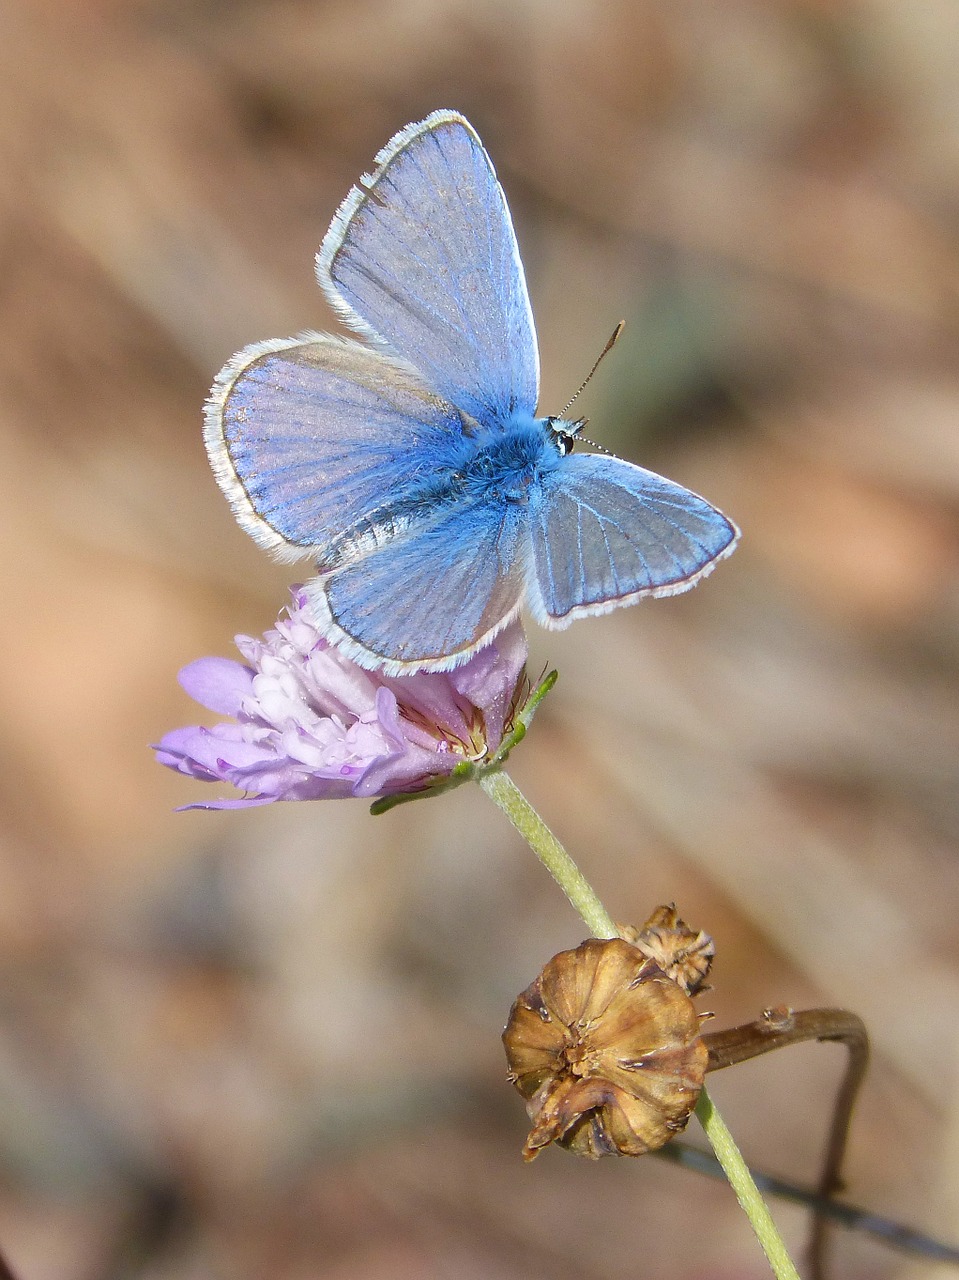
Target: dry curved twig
(776,1029)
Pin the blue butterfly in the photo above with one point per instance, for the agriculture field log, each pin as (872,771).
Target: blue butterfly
(414,470)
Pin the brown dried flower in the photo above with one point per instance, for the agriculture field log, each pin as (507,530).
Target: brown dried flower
(606,1050)
(683,954)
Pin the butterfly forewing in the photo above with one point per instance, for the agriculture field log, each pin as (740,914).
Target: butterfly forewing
(605,533)
(422,258)
(312,438)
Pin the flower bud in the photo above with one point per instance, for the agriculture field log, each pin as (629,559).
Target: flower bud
(605,1049)
(683,954)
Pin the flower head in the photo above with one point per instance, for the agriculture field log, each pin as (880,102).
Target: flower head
(309,724)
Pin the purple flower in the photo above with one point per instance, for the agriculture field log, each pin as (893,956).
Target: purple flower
(309,724)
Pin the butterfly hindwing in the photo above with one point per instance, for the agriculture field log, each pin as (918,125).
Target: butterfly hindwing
(422,259)
(605,533)
(429,598)
(309,437)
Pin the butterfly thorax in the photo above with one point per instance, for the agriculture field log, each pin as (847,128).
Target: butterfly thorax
(491,465)
(501,464)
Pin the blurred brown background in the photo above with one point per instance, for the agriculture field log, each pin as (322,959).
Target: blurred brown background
(267,1043)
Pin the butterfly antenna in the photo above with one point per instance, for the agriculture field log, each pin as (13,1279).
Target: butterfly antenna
(605,352)
(586,440)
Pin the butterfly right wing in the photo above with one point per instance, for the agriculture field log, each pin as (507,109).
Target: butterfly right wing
(606,533)
(311,437)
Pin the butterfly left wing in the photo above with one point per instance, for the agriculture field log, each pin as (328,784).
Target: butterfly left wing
(422,259)
(311,437)
(606,533)
(429,598)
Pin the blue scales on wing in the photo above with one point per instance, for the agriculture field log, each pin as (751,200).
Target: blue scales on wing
(310,437)
(431,595)
(605,533)
(422,259)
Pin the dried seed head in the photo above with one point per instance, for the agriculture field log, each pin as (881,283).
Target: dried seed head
(682,953)
(606,1051)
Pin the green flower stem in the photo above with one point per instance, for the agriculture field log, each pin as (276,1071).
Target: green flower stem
(503,791)
(747,1193)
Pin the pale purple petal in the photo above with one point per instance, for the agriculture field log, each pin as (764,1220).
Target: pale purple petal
(433,699)
(195,750)
(490,679)
(414,769)
(250,802)
(219,684)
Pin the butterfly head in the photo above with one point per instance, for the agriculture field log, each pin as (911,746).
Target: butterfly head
(563,434)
